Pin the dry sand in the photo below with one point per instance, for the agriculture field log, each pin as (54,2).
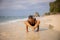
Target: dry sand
(49,30)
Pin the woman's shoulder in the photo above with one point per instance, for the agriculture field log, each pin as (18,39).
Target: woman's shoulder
(26,21)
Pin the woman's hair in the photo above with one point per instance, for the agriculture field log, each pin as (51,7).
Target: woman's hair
(30,16)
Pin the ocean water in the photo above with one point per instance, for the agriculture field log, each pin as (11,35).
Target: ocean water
(10,18)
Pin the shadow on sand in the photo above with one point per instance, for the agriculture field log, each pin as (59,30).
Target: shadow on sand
(43,29)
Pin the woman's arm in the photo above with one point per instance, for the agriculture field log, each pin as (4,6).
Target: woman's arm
(27,24)
(26,28)
(36,25)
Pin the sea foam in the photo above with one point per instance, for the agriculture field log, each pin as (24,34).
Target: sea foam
(12,21)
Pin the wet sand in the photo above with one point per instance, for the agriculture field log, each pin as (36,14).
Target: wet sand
(16,31)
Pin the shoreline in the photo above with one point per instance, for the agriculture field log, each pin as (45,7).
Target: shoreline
(12,21)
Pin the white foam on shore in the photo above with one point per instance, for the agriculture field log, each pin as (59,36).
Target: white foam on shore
(12,21)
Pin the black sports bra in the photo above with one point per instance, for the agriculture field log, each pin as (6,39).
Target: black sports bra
(32,24)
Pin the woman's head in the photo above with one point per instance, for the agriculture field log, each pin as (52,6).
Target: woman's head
(30,18)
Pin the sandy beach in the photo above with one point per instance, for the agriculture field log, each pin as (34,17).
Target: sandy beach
(49,30)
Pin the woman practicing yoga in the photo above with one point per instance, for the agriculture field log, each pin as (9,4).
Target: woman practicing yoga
(32,23)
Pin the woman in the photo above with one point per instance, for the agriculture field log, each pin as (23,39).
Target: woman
(32,23)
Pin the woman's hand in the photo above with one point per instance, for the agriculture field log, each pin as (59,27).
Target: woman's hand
(33,28)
